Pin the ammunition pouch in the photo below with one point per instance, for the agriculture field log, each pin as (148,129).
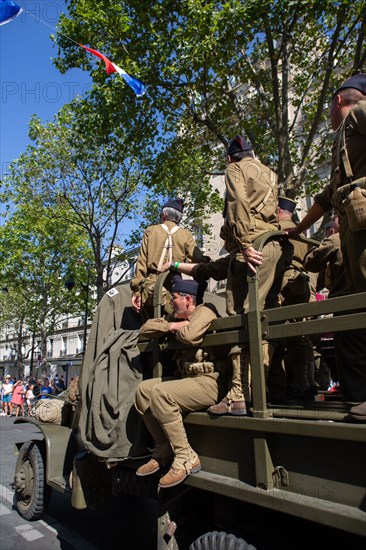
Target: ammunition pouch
(352,199)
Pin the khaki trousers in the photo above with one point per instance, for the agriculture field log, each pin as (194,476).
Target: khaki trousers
(353,246)
(270,275)
(350,346)
(168,399)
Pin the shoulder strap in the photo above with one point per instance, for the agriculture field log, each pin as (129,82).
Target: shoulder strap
(169,231)
(168,245)
(344,154)
(271,188)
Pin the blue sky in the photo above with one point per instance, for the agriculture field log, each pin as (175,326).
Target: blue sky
(30,83)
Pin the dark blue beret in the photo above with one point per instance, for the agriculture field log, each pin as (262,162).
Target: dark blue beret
(184,285)
(237,145)
(177,204)
(189,286)
(357,81)
(286,204)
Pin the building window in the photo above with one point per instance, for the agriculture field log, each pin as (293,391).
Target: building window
(64,345)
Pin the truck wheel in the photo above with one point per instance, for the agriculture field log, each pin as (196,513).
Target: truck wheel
(32,494)
(220,541)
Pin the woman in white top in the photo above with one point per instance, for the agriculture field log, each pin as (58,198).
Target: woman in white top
(30,399)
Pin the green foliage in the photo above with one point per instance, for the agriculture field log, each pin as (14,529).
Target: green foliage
(213,69)
(86,181)
(35,253)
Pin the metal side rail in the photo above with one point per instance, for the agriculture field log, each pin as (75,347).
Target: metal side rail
(313,508)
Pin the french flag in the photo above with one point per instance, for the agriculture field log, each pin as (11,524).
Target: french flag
(8,11)
(137,86)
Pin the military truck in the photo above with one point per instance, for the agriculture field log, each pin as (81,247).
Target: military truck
(296,463)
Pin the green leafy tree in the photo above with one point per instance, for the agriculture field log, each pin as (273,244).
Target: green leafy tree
(14,331)
(85,182)
(36,253)
(213,69)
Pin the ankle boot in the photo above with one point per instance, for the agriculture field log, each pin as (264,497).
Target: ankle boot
(186,461)
(162,454)
(227,406)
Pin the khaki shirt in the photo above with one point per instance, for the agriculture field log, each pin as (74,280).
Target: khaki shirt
(184,250)
(251,210)
(355,135)
(191,335)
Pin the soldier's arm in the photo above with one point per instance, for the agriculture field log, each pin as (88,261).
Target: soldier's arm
(202,271)
(318,256)
(155,328)
(141,265)
(192,334)
(238,214)
(313,215)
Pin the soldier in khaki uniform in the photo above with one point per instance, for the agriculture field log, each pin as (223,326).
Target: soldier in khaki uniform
(250,211)
(160,244)
(251,200)
(348,118)
(197,384)
(326,259)
(295,289)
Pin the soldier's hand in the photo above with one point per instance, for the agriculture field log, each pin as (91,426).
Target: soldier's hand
(136,303)
(252,257)
(165,267)
(292,231)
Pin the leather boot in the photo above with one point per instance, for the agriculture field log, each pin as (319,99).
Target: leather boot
(234,402)
(162,454)
(186,461)
(227,406)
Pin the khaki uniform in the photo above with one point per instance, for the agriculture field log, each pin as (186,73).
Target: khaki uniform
(251,211)
(327,259)
(297,351)
(295,288)
(184,249)
(350,346)
(353,243)
(197,386)
(251,194)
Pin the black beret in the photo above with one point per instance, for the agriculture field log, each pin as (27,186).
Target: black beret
(177,204)
(237,145)
(357,81)
(286,204)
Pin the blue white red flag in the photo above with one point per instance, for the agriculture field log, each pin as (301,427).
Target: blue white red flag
(8,11)
(137,86)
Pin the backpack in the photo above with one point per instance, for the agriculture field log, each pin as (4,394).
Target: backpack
(52,411)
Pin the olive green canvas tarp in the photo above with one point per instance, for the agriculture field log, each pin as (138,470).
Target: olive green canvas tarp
(109,424)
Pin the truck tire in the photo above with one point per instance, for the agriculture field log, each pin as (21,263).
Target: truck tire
(216,540)
(32,494)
